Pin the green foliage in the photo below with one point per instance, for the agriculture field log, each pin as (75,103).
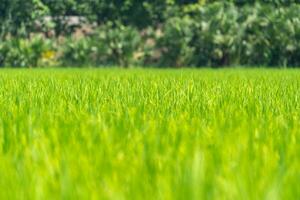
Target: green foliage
(269,35)
(228,35)
(117,44)
(149,134)
(34,52)
(59,10)
(18,17)
(216,38)
(175,42)
(184,33)
(130,12)
(78,52)
(111,44)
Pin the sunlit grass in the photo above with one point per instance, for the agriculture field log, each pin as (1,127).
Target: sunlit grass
(150,134)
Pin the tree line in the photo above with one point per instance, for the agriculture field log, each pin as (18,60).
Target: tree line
(158,32)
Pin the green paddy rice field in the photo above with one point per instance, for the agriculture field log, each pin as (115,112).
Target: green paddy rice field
(150,134)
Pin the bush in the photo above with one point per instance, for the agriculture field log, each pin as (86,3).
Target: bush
(34,52)
(217,33)
(213,34)
(78,52)
(110,44)
(175,43)
(222,34)
(269,35)
(117,44)
(149,53)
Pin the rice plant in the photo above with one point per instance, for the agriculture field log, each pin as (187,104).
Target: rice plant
(149,134)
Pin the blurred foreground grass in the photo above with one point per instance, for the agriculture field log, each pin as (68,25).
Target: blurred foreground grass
(149,134)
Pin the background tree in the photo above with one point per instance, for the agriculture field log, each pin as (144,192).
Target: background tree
(18,17)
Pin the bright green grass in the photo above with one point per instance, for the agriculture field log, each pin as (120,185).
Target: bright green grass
(150,134)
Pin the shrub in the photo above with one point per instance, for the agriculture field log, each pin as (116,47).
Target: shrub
(217,35)
(211,34)
(77,52)
(117,44)
(270,35)
(33,52)
(110,44)
(175,42)
(258,34)
(149,53)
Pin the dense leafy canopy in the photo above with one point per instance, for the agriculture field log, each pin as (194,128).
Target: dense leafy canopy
(17,15)
(159,32)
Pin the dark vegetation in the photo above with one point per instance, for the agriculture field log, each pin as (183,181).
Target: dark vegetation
(176,33)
